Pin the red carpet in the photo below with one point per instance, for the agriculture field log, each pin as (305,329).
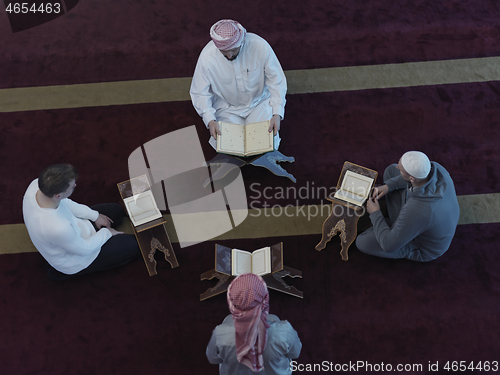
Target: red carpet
(102,41)
(456,125)
(366,309)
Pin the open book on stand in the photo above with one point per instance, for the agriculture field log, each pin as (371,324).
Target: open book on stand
(355,188)
(258,262)
(234,262)
(140,203)
(245,140)
(142,208)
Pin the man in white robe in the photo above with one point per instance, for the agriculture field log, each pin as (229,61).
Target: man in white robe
(238,79)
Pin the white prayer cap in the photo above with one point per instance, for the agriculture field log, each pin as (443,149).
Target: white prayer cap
(416,164)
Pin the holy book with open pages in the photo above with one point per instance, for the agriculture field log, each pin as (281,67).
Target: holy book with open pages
(257,262)
(355,188)
(245,140)
(142,208)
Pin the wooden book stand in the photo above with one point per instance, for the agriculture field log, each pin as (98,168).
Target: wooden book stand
(274,280)
(344,216)
(222,164)
(151,236)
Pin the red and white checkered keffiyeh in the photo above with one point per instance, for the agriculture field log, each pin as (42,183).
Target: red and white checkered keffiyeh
(227,34)
(248,301)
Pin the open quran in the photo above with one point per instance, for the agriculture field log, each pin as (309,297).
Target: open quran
(139,200)
(236,262)
(355,188)
(245,140)
(258,262)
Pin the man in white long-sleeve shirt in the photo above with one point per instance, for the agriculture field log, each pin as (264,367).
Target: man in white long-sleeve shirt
(238,79)
(62,230)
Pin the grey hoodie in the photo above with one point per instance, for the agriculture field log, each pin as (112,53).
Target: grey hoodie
(428,219)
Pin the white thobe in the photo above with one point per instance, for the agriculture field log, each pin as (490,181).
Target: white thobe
(250,88)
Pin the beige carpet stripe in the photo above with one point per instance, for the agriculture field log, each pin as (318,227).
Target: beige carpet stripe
(94,94)
(299,82)
(394,75)
(274,222)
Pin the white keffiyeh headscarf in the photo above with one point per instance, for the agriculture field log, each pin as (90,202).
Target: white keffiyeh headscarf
(248,301)
(227,34)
